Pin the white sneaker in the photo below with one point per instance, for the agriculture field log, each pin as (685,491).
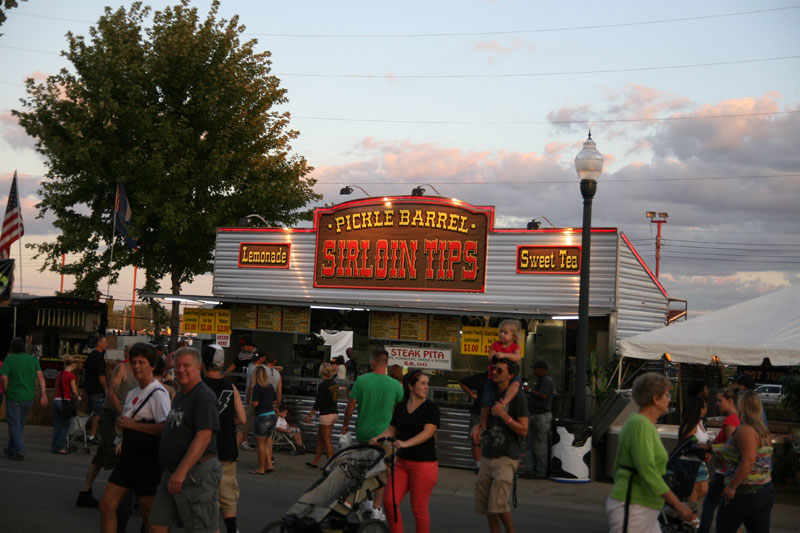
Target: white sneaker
(245,446)
(377,514)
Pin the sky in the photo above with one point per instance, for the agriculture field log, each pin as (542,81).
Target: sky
(694,105)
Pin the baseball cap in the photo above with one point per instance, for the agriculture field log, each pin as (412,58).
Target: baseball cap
(213,357)
(541,364)
(745,380)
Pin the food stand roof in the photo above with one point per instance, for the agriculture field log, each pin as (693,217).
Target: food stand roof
(742,334)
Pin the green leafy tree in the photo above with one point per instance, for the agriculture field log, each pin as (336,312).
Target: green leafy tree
(5,5)
(183,114)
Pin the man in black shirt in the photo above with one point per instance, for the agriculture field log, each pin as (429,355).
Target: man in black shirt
(231,413)
(540,403)
(188,495)
(502,442)
(95,382)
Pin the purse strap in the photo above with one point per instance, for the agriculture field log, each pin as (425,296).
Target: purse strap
(633,472)
(139,407)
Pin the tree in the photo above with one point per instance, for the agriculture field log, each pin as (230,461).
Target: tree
(182,113)
(5,5)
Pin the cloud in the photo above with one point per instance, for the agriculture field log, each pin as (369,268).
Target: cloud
(13,134)
(37,75)
(496,49)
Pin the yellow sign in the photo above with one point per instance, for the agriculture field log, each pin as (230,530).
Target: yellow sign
(207,321)
(476,340)
(223,323)
(190,321)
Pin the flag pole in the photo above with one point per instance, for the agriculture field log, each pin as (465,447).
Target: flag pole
(20,264)
(133,305)
(113,238)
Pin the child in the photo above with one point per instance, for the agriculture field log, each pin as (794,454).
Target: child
(293,431)
(504,348)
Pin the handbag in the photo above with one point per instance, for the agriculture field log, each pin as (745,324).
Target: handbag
(68,407)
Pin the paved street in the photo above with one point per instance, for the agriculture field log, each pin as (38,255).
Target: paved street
(39,494)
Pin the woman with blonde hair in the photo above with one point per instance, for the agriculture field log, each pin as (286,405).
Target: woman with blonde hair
(263,401)
(325,405)
(639,490)
(748,494)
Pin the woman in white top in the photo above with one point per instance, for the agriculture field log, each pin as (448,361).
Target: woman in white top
(692,427)
(142,422)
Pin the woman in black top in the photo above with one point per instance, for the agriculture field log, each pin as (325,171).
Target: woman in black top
(325,404)
(416,471)
(263,400)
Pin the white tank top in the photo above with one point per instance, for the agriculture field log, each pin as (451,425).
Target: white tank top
(702,435)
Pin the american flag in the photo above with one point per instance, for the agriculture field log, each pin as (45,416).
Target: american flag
(12,222)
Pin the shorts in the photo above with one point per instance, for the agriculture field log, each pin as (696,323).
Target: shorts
(494,485)
(264,425)
(640,518)
(196,507)
(140,473)
(96,403)
(702,473)
(228,489)
(328,420)
(106,455)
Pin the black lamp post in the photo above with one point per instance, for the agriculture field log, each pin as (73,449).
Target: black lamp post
(589,165)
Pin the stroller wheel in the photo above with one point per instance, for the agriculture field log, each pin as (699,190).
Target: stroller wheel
(278,526)
(373,526)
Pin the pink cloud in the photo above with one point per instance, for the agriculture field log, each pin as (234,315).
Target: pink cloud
(12,133)
(37,75)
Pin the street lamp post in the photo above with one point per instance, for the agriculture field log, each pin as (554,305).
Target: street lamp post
(589,165)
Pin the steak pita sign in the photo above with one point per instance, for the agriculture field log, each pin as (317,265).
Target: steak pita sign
(427,358)
(402,243)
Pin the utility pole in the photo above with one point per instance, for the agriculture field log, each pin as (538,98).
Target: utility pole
(657,218)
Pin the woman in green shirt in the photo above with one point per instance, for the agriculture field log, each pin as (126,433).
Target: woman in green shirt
(641,454)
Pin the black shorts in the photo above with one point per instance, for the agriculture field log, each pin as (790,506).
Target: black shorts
(140,473)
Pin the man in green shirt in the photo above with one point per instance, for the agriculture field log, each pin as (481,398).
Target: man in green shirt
(375,394)
(20,375)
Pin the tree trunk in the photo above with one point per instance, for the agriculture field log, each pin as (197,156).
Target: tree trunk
(175,319)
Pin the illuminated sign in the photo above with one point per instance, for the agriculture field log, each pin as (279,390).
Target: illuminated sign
(264,255)
(548,260)
(402,243)
(413,357)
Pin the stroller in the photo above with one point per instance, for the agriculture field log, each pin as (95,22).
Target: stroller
(77,433)
(331,504)
(682,466)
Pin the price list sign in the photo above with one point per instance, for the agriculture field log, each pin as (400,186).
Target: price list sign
(295,320)
(414,327)
(190,321)
(269,317)
(206,322)
(244,317)
(443,328)
(223,322)
(477,340)
(384,325)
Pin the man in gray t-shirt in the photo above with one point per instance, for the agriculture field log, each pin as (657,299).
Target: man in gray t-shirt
(189,490)
(540,402)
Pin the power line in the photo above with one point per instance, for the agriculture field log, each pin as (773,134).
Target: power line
(558,182)
(721,260)
(537,74)
(735,243)
(485,33)
(544,122)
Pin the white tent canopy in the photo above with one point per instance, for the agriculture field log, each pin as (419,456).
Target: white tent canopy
(743,334)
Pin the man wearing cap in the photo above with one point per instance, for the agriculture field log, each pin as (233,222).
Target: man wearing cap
(746,382)
(540,405)
(188,495)
(231,413)
(245,356)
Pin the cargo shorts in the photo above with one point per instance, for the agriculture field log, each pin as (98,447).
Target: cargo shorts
(196,507)
(494,485)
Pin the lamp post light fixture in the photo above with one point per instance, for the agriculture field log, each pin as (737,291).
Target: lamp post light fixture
(245,220)
(588,165)
(657,218)
(347,189)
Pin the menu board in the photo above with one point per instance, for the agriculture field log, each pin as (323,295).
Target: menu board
(477,340)
(269,317)
(443,328)
(190,320)
(206,320)
(223,324)
(295,319)
(383,325)
(414,326)
(244,316)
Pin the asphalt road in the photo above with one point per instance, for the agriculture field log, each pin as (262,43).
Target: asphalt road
(38,495)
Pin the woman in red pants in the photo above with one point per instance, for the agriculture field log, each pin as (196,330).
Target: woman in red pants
(416,470)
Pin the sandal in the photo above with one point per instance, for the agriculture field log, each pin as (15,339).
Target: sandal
(62,452)
(311,465)
(257,472)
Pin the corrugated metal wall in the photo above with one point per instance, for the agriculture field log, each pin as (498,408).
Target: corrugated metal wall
(506,291)
(641,304)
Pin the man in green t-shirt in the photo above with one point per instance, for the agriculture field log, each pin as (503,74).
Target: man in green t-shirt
(20,375)
(375,394)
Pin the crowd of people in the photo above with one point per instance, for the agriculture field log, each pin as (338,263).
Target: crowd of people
(176,451)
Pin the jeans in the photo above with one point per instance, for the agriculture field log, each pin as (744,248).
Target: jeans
(536,444)
(711,502)
(60,427)
(752,510)
(417,478)
(16,413)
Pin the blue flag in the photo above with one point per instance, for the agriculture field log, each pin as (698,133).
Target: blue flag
(122,213)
